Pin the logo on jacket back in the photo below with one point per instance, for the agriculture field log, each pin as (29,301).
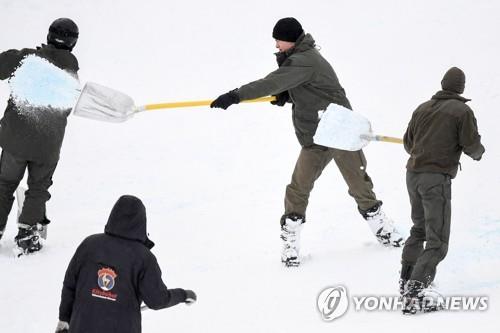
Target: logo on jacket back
(106,281)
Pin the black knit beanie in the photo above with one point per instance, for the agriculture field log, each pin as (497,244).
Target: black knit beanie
(454,80)
(287,29)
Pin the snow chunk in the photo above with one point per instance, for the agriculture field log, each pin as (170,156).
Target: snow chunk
(38,83)
(343,129)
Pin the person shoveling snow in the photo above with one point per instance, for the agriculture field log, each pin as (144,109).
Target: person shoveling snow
(306,79)
(44,87)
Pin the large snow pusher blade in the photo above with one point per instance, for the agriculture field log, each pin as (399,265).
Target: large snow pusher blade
(103,103)
(345,129)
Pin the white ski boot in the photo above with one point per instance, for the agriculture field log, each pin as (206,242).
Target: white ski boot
(291,225)
(383,227)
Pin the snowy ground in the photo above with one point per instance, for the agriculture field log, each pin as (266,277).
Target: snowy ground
(213,181)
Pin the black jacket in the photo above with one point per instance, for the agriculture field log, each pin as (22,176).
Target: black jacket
(438,132)
(112,273)
(34,138)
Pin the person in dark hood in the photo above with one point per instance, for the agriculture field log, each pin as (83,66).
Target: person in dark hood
(439,131)
(31,137)
(306,79)
(112,273)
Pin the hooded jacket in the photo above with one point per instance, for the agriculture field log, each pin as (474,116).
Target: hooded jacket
(38,138)
(112,273)
(439,131)
(310,81)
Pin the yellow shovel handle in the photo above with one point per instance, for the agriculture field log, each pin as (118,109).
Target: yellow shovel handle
(388,139)
(149,107)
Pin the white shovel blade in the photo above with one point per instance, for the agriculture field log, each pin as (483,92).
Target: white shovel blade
(103,103)
(342,128)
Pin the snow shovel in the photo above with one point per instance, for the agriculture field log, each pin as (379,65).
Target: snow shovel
(103,103)
(345,129)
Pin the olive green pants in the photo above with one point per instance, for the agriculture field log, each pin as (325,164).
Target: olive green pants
(430,198)
(311,163)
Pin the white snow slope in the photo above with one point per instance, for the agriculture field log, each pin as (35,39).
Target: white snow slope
(213,181)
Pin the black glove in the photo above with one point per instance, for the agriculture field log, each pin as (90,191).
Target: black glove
(226,100)
(281,99)
(190,297)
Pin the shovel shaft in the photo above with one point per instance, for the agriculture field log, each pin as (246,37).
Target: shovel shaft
(388,139)
(185,104)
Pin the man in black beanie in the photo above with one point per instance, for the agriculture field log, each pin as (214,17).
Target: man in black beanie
(287,29)
(112,273)
(305,79)
(439,131)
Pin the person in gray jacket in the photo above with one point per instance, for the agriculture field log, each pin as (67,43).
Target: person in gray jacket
(31,137)
(305,79)
(439,131)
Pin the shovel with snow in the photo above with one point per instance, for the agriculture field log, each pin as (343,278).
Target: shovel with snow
(344,129)
(103,103)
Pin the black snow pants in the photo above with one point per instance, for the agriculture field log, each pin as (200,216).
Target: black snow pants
(39,180)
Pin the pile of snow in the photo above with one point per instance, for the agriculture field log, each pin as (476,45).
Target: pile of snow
(342,128)
(38,83)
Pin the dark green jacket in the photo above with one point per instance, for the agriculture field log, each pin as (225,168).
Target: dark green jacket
(38,138)
(438,132)
(310,81)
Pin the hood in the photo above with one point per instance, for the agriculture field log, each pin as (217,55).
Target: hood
(51,47)
(304,42)
(128,220)
(454,80)
(445,94)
